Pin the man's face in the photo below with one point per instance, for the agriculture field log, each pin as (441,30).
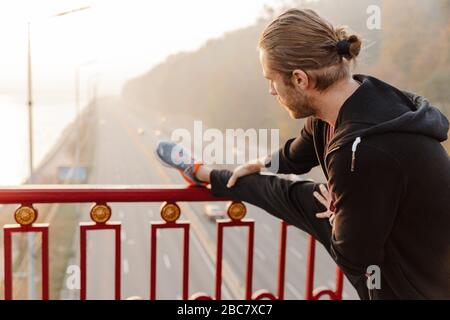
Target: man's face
(295,100)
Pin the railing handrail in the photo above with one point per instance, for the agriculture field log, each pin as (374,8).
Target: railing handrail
(28,194)
(25,215)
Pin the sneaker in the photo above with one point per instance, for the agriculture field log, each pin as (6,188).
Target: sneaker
(174,156)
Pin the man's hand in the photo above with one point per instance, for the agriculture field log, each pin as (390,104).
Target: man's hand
(325,199)
(245,169)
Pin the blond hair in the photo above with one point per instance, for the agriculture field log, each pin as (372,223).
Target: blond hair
(301,39)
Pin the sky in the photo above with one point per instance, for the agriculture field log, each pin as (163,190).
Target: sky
(110,42)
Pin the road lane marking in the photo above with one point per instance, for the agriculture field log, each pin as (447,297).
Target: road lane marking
(209,264)
(126,267)
(260,254)
(267,228)
(230,278)
(207,261)
(331,284)
(294,291)
(296,253)
(167,261)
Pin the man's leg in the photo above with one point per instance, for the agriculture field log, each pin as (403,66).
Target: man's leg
(291,201)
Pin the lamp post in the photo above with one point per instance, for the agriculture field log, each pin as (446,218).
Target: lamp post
(30,105)
(30,236)
(92,88)
(30,91)
(78,108)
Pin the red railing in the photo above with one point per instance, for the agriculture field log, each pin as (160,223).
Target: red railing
(26,215)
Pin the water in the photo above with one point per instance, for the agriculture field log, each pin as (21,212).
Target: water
(49,121)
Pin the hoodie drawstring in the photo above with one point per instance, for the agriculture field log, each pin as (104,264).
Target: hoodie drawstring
(354,146)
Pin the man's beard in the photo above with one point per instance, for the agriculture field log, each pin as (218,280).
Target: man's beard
(298,105)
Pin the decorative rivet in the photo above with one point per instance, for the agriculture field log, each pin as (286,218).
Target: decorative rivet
(170,211)
(100,213)
(236,210)
(25,215)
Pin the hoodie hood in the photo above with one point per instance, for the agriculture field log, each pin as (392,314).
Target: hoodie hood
(366,113)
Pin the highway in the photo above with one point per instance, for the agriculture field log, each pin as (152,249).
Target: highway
(123,154)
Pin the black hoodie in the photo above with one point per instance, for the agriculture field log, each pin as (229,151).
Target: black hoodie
(391,181)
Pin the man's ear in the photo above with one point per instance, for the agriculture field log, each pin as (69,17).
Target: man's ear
(300,79)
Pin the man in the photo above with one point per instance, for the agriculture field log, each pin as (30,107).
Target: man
(388,198)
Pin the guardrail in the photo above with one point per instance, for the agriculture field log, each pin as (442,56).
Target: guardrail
(25,216)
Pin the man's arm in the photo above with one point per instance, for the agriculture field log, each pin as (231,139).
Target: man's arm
(367,202)
(298,155)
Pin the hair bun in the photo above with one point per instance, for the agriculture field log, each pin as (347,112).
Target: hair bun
(355,46)
(347,46)
(343,47)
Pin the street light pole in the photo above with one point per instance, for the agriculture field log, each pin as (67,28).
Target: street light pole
(30,92)
(77,115)
(30,237)
(78,109)
(92,88)
(30,105)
